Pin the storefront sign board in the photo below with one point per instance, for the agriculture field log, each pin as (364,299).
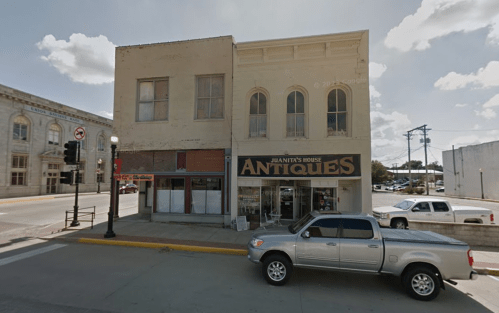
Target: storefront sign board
(137,177)
(335,165)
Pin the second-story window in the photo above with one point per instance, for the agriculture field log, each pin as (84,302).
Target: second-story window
(295,118)
(21,125)
(54,134)
(258,115)
(210,97)
(337,113)
(100,143)
(153,100)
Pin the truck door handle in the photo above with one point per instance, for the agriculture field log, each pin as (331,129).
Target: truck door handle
(428,214)
(331,243)
(448,214)
(373,246)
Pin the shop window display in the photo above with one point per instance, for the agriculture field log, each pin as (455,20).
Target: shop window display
(325,199)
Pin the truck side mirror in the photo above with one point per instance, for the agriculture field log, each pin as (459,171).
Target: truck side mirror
(305,234)
(415,210)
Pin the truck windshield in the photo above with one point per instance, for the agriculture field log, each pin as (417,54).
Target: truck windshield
(404,205)
(296,226)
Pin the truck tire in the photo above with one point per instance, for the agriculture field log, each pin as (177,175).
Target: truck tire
(277,270)
(399,223)
(421,283)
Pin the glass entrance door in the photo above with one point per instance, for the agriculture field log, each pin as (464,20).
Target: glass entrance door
(52,182)
(286,201)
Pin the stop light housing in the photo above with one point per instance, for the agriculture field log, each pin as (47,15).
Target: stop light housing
(66,178)
(71,148)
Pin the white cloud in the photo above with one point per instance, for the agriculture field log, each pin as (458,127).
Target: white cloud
(467,140)
(88,60)
(106,114)
(438,18)
(373,93)
(386,133)
(493,102)
(485,77)
(461,105)
(487,113)
(376,69)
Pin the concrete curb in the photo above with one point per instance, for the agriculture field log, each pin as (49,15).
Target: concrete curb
(164,245)
(487,271)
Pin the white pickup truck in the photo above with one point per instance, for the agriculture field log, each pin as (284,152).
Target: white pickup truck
(431,210)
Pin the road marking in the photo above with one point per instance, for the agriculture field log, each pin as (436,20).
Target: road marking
(29,254)
(493,277)
(2,213)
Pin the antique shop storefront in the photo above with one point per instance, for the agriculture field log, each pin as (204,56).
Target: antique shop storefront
(291,186)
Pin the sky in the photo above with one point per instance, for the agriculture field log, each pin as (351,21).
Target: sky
(432,62)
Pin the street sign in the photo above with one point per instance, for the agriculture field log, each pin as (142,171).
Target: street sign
(80,133)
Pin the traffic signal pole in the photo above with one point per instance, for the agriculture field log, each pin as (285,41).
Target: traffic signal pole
(75,208)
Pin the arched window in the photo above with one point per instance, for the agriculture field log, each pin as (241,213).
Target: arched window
(295,118)
(54,134)
(101,143)
(21,126)
(258,115)
(337,113)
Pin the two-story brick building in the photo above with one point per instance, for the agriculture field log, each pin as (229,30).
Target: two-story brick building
(225,129)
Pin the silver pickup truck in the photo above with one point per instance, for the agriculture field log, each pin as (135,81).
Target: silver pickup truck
(355,242)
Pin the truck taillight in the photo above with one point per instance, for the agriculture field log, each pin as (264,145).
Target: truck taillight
(470,257)
(491,218)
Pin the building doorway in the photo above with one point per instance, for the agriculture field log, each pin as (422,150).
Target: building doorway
(286,197)
(52,182)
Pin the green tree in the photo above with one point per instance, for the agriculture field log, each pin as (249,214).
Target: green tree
(379,173)
(435,166)
(415,164)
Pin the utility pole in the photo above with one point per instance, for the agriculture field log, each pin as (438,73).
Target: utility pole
(426,160)
(408,135)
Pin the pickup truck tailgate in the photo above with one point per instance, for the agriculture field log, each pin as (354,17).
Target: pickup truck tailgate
(418,236)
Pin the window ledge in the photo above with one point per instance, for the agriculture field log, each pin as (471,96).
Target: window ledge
(210,120)
(258,138)
(152,122)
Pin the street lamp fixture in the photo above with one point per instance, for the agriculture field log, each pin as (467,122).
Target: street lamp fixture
(110,233)
(481,182)
(99,175)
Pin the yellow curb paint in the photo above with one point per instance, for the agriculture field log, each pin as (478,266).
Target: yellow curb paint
(25,200)
(494,272)
(163,245)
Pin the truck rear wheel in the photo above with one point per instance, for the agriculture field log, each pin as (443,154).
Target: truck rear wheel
(421,283)
(277,270)
(399,223)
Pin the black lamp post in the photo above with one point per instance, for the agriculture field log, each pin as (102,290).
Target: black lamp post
(110,233)
(99,176)
(481,182)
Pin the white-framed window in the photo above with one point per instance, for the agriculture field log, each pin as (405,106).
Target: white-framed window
(21,127)
(19,170)
(337,113)
(153,100)
(210,97)
(258,115)
(295,118)
(102,170)
(54,134)
(101,142)
(83,143)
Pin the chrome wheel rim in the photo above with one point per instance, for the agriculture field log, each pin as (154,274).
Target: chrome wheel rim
(276,271)
(400,225)
(423,284)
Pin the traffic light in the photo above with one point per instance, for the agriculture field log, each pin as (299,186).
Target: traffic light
(66,178)
(70,152)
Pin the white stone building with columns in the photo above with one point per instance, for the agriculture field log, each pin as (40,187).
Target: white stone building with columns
(33,132)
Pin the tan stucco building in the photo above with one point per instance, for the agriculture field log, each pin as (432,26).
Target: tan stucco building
(33,131)
(226,129)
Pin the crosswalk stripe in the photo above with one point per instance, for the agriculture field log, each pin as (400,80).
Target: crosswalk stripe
(29,254)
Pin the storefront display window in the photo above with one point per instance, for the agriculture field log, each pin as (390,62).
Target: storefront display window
(248,201)
(206,195)
(269,201)
(325,199)
(170,195)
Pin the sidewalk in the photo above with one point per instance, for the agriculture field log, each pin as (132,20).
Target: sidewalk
(136,232)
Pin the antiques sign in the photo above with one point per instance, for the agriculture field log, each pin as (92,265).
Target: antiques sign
(334,165)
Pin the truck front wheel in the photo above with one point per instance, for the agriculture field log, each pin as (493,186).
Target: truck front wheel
(277,270)
(421,283)
(399,223)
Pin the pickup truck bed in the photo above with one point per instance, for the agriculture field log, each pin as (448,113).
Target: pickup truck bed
(418,237)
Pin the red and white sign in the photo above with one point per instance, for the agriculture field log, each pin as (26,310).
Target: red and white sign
(80,133)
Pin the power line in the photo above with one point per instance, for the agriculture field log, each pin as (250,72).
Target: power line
(463,130)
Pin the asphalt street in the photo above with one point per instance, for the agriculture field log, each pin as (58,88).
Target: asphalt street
(24,220)
(91,278)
